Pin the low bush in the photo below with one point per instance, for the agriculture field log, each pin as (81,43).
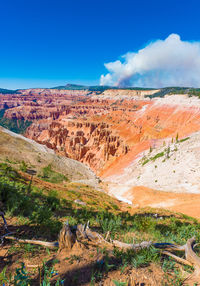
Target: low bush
(15,125)
(137,259)
(21,200)
(49,175)
(109,222)
(145,160)
(23,166)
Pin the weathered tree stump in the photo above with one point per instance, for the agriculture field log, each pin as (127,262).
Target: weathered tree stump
(66,238)
(78,235)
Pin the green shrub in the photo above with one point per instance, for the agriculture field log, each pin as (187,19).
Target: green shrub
(23,166)
(21,278)
(53,201)
(24,201)
(13,196)
(15,125)
(49,175)
(161,154)
(145,160)
(138,258)
(117,283)
(109,222)
(41,215)
(7,171)
(144,223)
(184,139)
(3,278)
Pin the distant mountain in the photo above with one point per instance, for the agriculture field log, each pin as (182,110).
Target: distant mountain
(99,88)
(82,87)
(71,87)
(7,91)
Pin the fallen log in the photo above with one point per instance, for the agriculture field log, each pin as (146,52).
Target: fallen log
(82,233)
(37,242)
(138,246)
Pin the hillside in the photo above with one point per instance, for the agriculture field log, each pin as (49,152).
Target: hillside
(144,149)
(20,150)
(35,213)
(96,88)
(177,90)
(105,132)
(164,176)
(7,91)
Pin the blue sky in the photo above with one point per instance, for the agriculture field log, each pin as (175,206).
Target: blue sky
(47,43)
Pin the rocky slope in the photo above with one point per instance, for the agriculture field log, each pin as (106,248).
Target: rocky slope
(158,120)
(107,131)
(108,137)
(16,148)
(146,150)
(171,167)
(127,93)
(165,177)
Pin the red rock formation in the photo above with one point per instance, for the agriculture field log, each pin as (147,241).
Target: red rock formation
(107,133)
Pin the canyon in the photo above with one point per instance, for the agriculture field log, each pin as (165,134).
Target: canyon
(113,132)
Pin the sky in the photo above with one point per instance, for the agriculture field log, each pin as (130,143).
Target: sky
(46,43)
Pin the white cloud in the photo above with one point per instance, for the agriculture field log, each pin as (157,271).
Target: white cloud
(169,62)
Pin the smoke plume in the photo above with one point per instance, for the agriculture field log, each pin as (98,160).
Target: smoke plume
(169,62)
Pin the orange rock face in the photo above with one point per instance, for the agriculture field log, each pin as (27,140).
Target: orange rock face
(105,132)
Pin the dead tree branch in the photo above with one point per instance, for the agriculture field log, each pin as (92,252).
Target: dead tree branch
(38,242)
(82,233)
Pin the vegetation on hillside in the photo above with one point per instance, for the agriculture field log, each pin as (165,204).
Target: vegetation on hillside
(49,175)
(15,125)
(163,91)
(42,211)
(98,88)
(7,91)
(22,198)
(166,151)
(177,90)
(101,88)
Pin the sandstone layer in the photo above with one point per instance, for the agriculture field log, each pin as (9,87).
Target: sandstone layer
(112,131)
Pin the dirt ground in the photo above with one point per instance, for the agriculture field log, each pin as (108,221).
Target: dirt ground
(77,267)
(184,203)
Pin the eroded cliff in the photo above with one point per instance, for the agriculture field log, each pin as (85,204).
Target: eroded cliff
(105,132)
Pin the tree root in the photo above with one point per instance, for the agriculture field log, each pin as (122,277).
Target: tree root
(69,236)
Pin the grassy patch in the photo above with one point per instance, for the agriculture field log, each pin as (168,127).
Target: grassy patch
(184,139)
(138,259)
(177,90)
(15,125)
(49,175)
(47,209)
(42,213)
(146,160)
(44,207)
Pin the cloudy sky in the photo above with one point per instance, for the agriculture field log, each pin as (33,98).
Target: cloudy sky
(46,43)
(168,62)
